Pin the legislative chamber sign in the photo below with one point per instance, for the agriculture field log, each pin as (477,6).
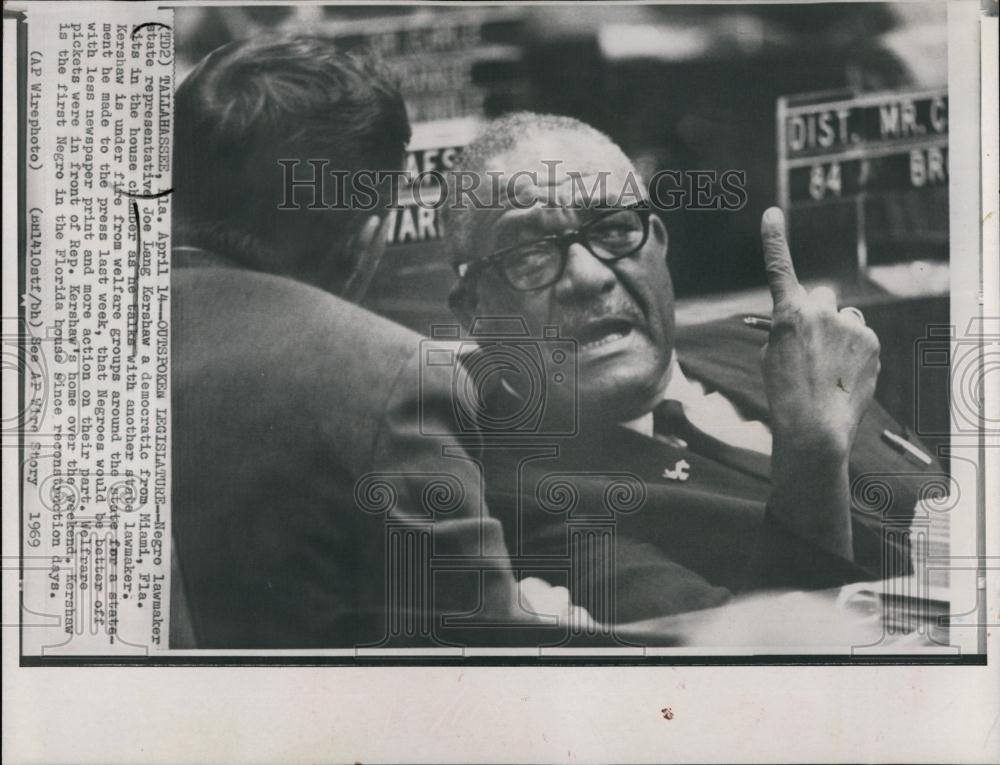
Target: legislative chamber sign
(831,150)
(454,67)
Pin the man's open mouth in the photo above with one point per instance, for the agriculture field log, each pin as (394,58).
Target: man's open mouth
(603,332)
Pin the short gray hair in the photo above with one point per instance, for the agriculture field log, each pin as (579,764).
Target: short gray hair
(497,136)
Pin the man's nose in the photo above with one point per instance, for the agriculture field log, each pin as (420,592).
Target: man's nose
(584,275)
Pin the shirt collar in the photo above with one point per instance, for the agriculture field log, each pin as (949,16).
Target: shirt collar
(678,387)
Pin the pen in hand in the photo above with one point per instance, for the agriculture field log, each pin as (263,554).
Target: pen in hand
(758,322)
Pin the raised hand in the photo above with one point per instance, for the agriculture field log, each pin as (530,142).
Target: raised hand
(820,364)
(820,368)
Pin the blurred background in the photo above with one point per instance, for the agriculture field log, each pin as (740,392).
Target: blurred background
(681,88)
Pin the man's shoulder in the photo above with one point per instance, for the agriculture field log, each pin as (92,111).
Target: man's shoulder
(280,316)
(242,329)
(278,299)
(724,355)
(727,340)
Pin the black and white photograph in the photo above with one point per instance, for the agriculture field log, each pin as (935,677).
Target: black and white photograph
(500,381)
(554,327)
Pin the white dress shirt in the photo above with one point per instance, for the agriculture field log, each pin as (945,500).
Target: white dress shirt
(711,413)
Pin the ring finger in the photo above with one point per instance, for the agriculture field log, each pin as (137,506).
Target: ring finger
(853,313)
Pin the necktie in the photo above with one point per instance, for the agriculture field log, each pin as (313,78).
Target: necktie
(669,420)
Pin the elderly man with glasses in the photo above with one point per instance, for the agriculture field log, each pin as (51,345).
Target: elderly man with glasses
(744,458)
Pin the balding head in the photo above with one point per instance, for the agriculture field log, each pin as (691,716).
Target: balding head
(511,152)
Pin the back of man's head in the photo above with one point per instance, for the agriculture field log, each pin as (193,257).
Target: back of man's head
(252,103)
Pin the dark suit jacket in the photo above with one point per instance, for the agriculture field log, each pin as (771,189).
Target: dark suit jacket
(284,399)
(639,545)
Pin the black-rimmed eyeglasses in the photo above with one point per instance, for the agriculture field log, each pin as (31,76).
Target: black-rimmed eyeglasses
(540,263)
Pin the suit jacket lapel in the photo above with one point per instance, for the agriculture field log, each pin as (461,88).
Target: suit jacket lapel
(745,460)
(731,369)
(726,363)
(625,450)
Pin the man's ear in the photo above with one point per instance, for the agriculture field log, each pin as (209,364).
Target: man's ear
(365,249)
(462,301)
(658,231)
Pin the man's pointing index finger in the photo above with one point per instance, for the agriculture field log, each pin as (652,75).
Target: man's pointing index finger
(777,258)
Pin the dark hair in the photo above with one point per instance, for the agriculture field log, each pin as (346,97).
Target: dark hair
(252,102)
